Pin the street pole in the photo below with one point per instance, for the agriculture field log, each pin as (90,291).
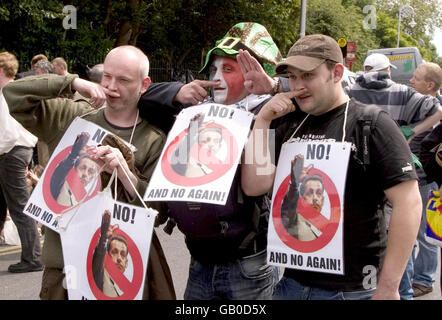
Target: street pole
(303,18)
(408,12)
(399,27)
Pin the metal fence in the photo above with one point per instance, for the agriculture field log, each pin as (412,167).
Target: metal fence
(160,70)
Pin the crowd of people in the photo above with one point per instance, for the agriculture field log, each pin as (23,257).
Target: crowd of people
(387,182)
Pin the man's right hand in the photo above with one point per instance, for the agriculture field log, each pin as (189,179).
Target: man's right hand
(278,106)
(297,167)
(80,143)
(93,91)
(197,120)
(105,222)
(194,92)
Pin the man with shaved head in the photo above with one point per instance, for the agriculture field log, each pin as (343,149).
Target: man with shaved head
(125,78)
(59,66)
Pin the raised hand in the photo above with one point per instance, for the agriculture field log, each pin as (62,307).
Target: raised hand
(256,80)
(278,106)
(80,143)
(93,91)
(297,169)
(105,223)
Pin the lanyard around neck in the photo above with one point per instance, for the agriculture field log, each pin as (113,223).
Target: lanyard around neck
(343,127)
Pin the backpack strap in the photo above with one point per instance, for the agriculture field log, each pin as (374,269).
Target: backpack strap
(367,121)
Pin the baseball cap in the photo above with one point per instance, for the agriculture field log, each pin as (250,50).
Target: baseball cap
(378,61)
(309,52)
(250,36)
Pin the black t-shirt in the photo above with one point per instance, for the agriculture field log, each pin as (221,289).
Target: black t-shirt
(364,225)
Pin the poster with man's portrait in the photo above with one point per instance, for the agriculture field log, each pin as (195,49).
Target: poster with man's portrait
(306,226)
(70,177)
(201,155)
(106,247)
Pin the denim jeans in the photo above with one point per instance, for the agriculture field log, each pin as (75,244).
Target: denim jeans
(13,185)
(422,267)
(405,287)
(248,278)
(290,289)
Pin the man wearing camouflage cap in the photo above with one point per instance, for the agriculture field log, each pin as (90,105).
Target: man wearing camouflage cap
(373,263)
(228,243)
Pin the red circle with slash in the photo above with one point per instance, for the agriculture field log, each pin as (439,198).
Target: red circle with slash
(130,288)
(218,167)
(75,185)
(328,227)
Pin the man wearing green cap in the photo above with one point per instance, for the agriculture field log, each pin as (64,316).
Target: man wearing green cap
(222,61)
(228,243)
(373,264)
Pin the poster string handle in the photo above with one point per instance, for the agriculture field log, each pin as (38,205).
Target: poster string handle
(153,211)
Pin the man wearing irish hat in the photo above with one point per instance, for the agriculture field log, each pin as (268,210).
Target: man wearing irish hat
(252,39)
(228,243)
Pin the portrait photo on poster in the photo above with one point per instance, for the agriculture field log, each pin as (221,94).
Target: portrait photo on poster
(307,214)
(201,155)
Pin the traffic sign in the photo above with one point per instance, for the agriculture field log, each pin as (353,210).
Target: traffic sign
(342,42)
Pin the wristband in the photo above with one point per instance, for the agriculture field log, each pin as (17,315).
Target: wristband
(276,88)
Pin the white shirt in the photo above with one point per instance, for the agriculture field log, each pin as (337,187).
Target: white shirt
(13,133)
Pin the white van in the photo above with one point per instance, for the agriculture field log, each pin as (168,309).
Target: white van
(348,78)
(405,59)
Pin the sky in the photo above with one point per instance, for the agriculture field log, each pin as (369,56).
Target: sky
(437,41)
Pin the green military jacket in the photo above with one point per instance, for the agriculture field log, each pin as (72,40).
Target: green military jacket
(35,102)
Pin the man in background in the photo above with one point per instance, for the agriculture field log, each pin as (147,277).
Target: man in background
(59,66)
(421,269)
(16,148)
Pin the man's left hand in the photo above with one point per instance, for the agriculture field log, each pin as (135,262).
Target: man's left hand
(256,80)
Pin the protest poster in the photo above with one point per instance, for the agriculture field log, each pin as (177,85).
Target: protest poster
(306,226)
(433,230)
(70,177)
(201,155)
(106,247)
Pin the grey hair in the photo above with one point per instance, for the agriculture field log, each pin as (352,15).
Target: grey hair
(44,65)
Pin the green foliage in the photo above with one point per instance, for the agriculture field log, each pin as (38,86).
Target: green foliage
(182,31)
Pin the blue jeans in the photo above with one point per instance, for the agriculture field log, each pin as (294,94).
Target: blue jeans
(15,190)
(405,287)
(290,289)
(248,278)
(421,268)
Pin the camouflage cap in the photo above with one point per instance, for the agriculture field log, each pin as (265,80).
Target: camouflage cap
(249,36)
(309,52)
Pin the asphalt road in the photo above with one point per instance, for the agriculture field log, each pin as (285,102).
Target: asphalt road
(26,286)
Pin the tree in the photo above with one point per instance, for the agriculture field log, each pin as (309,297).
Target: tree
(180,32)
(428,17)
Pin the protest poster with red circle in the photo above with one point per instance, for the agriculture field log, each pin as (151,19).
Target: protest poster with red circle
(73,181)
(212,165)
(129,287)
(433,231)
(328,227)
